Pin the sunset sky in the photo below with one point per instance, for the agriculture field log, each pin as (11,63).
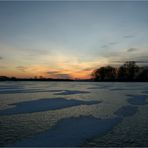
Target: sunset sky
(70,39)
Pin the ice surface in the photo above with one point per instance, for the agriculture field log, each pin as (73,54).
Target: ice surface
(71,92)
(138,99)
(44,105)
(70,132)
(72,113)
(126,111)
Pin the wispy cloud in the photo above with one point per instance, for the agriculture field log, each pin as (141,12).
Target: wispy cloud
(88,69)
(2,67)
(132,49)
(142,62)
(21,68)
(104,46)
(110,44)
(138,59)
(128,36)
(53,72)
(141,59)
(63,76)
(59,75)
(113,43)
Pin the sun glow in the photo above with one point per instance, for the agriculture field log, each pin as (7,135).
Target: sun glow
(63,67)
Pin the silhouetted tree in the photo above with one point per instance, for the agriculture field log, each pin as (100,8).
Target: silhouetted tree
(13,78)
(110,73)
(128,71)
(104,73)
(2,78)
(99,74)
(121,74)
(143,76)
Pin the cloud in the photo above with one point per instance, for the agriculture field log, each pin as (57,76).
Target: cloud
(137,62)
(128,36)
(59,75)
(141,59)
(63,76)
(21,68)
(53,72)
(109,45)
(113,43)
(88,69)
(142,62)
(35,52)
(2,67)
(104,46)
(132,49)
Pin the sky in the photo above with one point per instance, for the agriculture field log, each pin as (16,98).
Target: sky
(62,39)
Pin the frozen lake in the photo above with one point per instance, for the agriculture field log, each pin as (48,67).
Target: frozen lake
(73,114)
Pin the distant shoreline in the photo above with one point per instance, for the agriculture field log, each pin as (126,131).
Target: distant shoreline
(61,80)
(128,72)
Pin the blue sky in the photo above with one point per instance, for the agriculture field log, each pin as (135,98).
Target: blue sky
(64,38)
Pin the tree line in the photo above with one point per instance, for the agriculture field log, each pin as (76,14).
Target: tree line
(5,78)
(129,71)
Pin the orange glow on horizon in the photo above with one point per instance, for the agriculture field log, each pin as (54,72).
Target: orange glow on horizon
(70,70)
(37,71)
